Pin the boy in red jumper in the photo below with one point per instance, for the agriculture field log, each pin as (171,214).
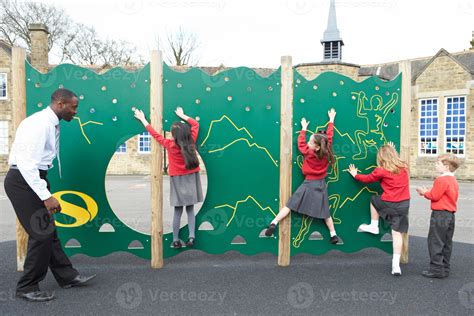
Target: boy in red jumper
(444,196)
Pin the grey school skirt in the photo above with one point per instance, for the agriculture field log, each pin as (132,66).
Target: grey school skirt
(185,189)
(311,198)
(394,213)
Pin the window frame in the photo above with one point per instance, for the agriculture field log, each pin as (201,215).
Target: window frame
(446,124)
(119,147)
(138,143)
(3,98)
(420,153)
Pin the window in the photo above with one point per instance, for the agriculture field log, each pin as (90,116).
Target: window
(122,149)
(455,125)
(428,136)
(332,50)
(3,137)
(3,86)
(144,143)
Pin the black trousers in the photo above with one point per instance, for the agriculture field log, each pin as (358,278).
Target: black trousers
(440,240)
(44,249)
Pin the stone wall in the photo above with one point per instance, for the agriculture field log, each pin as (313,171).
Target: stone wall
(311,71)
(5,105)
(444,77)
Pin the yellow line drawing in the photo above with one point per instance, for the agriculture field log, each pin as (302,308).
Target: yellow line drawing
(334,173)
(250,145)
(335,128)
(230,121)
(243,201)
(371,167)
(357,195)
(237,140)
(304,229)
(379,111)
(334,200)
(81,125)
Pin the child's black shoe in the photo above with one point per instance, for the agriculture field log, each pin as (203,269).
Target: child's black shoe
(334,240)
(177,244)
(190,242)
(270,230)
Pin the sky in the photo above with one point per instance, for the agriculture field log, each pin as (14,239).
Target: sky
(256,33)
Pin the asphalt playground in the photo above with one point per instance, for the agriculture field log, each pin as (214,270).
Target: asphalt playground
(234,284)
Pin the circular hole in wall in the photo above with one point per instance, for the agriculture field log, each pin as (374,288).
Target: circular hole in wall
(128,190)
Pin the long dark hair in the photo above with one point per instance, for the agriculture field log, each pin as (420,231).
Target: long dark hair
(325,150)
(182,137)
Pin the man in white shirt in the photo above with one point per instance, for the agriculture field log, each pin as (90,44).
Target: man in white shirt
(35,146)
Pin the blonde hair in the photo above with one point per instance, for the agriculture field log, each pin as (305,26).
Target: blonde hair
(450,160)
(387,158)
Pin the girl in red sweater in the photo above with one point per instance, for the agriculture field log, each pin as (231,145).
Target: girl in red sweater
(393,204)
(183,168)
(311,197)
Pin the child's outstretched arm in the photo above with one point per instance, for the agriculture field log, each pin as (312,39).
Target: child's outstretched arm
(302,145)
(330,131)
(194,124)
(376,175)
(139,115)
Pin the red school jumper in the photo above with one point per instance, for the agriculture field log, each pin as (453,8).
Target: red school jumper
(444,194)
(313,167)
(396,187)
(176,166)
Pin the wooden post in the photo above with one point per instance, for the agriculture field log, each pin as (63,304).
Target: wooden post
(405,70)
(156,159)
(19,114)
(286,145)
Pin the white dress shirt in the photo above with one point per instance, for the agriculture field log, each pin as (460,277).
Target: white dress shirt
(34,148)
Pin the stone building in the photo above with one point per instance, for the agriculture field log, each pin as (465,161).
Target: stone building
(442,96)
(5,103)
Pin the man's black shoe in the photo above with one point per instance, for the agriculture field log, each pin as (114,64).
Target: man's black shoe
(36,296)
(78,280)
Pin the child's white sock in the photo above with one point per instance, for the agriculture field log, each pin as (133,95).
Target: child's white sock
(274,222)
(396,260)
(332,233)
(374,223)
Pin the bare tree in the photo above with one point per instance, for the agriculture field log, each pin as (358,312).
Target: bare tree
(75,43)
(181,48)
(85,47)
(15,18)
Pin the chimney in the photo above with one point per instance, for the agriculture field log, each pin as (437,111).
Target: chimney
(39,46)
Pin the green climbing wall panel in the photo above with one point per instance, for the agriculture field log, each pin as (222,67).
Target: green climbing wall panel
(368,115)
(104,121)
(239,142)
(239,139)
